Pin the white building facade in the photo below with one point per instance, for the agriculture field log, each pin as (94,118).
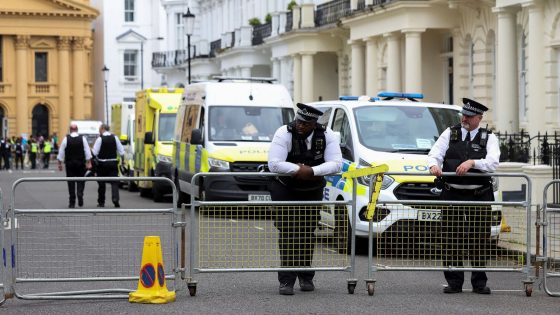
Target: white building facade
(126,34)
(504,53)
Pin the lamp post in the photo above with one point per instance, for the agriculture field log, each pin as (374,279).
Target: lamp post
(106,78)
(189,29)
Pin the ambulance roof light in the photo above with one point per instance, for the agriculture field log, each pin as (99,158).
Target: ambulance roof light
(410,96)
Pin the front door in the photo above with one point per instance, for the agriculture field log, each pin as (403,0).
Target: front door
(40,121)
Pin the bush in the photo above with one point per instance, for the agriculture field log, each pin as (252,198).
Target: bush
(268,18)
(254,21)
(291,5)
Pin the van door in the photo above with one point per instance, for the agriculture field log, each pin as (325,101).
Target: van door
(341,124)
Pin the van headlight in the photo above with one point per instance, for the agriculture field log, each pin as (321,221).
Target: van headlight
(387,181)
(163,158)
(218,165)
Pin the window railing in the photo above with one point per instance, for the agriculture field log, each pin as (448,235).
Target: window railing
(331,12)
(215,47)
(289,21)
(260,32)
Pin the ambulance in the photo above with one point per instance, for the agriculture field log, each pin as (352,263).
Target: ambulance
(155,114)
(394,129)
(227,126)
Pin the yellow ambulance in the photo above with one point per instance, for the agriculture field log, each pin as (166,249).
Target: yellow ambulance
(155,114)
(227,126)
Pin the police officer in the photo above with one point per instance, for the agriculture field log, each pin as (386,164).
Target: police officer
(74,151)
(304,152)
(6,149)
(47,148)
(18,149)
(105,150)
(462,149)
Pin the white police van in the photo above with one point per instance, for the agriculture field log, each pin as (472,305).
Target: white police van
(394,129)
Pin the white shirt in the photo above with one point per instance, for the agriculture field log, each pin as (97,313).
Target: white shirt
(62,148)
(282,144)
(487,164)
(97,144)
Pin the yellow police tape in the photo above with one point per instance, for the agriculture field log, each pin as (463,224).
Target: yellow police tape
(378,171)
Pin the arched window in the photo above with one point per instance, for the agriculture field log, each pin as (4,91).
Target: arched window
(40,121)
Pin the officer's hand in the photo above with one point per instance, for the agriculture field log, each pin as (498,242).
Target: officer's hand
(60,167)
(305,172)
(88,165)
(435,170)
(464,167)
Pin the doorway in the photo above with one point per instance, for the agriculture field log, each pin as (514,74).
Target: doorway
(40,121)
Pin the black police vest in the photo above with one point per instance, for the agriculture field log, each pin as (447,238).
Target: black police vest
(300,154)
(74,150)
(108,148)
(459,151)
(19,148)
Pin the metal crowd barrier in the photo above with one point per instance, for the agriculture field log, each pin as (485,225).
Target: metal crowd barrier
(87,250)
(551,243)
(436,235)
(241,236)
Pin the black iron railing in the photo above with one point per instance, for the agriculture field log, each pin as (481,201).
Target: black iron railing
(289,21)
(361,4)
(215,47)
(331,12)
(260,32)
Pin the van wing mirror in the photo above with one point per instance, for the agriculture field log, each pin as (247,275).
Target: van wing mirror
(196,136)
(124,139)
(149,138)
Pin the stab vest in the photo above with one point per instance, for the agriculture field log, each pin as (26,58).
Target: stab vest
(74,150)
(300,154)
(459,151)
(108,148)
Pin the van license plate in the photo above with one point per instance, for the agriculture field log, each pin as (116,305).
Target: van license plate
(259,198)
(429,215)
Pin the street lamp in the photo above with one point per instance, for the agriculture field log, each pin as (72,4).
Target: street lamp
(189,29)
(106,78)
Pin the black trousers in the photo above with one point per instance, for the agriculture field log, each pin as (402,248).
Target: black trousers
(7,160)
(46,159)
(19,160)
(466,234)
(296,231)
(75,169)
(107,169)
(33,158)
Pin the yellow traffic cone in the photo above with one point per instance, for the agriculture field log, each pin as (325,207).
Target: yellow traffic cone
(151,285)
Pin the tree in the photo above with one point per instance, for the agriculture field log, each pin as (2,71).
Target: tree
(291,5)
(254,21)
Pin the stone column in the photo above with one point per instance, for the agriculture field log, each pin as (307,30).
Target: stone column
(358,68)
(413,60)
(307,14)
(507,101)
(307,75)
(78,78)
(276,69)
(536,101)
(63,84)
(22,43)
(393,63)
(297,78)
(372,78)
(457,57)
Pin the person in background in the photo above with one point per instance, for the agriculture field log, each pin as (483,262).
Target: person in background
(47,148)
(106,149)
(75,153)
(18,148)
(464,149)
(33,150)
(303,152)
(6,150)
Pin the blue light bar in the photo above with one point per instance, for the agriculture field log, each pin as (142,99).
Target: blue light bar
(401,95)
(348,98)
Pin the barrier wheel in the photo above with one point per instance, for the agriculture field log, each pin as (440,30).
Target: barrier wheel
(192,288)
(351,287)
(370,289)
(528,289)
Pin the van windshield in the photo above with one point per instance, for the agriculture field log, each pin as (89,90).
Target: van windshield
(246,123)
(403,128)
(166,127)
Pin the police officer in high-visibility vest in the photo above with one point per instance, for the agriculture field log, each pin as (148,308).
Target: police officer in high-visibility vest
(33,153)
(105,149)
(47,148)
(304,151)
(466,230)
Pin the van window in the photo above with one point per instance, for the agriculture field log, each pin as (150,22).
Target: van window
(189,123)
(402,128)
(246,123)
(342,125)
(179,123)
(166,127)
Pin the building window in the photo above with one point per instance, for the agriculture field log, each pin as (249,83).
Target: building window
(1,62)
(180,28)
(41,67)
(130,65)
(129,10)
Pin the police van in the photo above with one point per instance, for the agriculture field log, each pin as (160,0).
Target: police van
(394,129)
(227,126)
